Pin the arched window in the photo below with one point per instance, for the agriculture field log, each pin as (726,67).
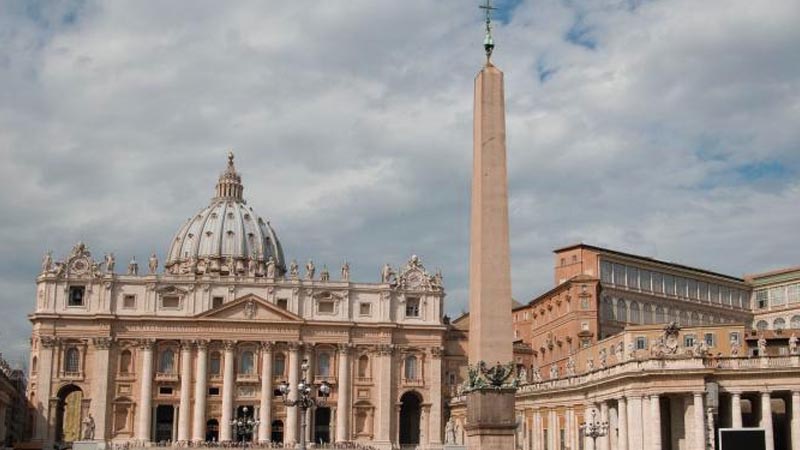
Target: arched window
(125,361)
(795,322)
(34,364)
(411,368)
(660,317)
(324,365)
(647,314)
(246,365)
(363,366)
(622,311)
(608,309)
(72,360)
(635,313)
(166,363)
(779,324)
(761,325)
(215,363)
(279,365)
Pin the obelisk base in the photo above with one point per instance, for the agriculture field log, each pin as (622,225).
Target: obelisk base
(491,421)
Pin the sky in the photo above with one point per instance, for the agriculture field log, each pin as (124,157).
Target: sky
(665,128)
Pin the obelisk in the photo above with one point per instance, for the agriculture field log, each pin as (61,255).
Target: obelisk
(490,409)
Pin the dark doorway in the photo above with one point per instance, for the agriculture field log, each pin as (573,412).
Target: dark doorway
(410,418)
(277,431)
(212,430)
(69,414)
(322,425)
(165,418)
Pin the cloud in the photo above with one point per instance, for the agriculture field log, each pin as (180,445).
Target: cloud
(673,134)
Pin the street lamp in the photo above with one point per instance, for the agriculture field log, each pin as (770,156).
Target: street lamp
(245,424)
(594,429)
(304,399)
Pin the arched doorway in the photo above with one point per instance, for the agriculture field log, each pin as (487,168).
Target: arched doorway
(410,412)
(277,431)
(68,413)
(322,425)
(212,430)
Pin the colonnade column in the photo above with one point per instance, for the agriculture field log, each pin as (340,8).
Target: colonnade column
(655,423)
(343,393)
(310,359)
(645,420)
(146,391)
(589,443)
(572,443)
(227,393)
(766,419)
(291,432)
(102,345)
(604,440)
(385,380)
(795,424)
(736,410)
(436,395)
(265,409)
(186,397)
(698,422)
(622,420)
(635,441)
(200,388)
(44,380)
(537,430)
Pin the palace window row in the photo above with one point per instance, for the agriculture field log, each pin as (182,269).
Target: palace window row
(778,323)
(633,312)
(646,280)
(778,297)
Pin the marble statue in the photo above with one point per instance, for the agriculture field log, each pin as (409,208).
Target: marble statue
(271,267)
(387,274)
(793,344)
(603,358)
(310,269)
(47,261)
(571,366)
(450,432)
(88,428)
(735,348)
(293,269)
(324,275)
(537,375)
(589,365)
(152,264)
(110,262)
(523,375)
(553,371)
(762,346)
(133,267)
(345,271)
(631,350)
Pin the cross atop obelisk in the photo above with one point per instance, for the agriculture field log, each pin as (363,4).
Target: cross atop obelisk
(490,397)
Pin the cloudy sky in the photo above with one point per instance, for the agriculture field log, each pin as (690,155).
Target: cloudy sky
(663,128)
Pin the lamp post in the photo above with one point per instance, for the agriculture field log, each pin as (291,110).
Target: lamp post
(245,424)
(304,398)
(594,429)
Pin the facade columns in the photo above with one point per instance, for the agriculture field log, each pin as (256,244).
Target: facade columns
(291,430)
(795,423)
(572,443)
(265,409)
(343,394)
(184,410)
(589,443)
(200,392)
(766,419)
(227,393)
(99,394)
(736,410)
(646,437)
(622,423)
(310,359)
(145,407)
(698,421)
(655,423)
(604,441)
(44,379)
(635,441)
(537,431)
(436,381)
(385,380)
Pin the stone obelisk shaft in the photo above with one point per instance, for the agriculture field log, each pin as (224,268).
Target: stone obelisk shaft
(490,328)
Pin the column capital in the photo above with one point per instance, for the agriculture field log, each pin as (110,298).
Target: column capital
(385,349)
(47,341)
(202,344)
(146,343)
(229,345)
(267,346)
(103,343)
(295,346)
(437,352)
(187,344)
(345,348)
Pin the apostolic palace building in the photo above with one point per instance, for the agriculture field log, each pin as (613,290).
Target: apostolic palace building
(174,354)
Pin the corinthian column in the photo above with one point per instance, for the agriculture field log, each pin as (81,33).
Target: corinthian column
(100,385)
(146,391)
(265,411)
(436,395)
(292,432)
(343,394)
(44,379)
(385,404)
(200,388)
(699,422)
(766,419)
(227,393)
(186,381)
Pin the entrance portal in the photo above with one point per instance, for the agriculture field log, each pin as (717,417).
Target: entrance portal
(212,430)
(277,431)
(165,420)
(322,425)
(410,413)
(68,413)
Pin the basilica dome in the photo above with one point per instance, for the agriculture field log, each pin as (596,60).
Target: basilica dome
(226,236)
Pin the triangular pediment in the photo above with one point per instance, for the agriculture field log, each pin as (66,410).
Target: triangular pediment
(250,308)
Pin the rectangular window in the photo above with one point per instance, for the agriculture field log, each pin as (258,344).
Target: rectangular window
(725,295)
(793,293)
(216,302)
(633,277)
(365,309)
(213,391)
(709,338)
(688,340)
(412,307)
(644,280)
(714,290)
(641,343)
(325,307)
(734,337)
(619,274)
(170,301)
(777,296)
(283,303)
(129,301)
(691,285)
(76,295)
(702,291)
(681,284)
(669,285)
(761,299)
(658,283)
(165,390)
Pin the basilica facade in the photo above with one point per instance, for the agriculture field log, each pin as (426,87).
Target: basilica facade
(182,352)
